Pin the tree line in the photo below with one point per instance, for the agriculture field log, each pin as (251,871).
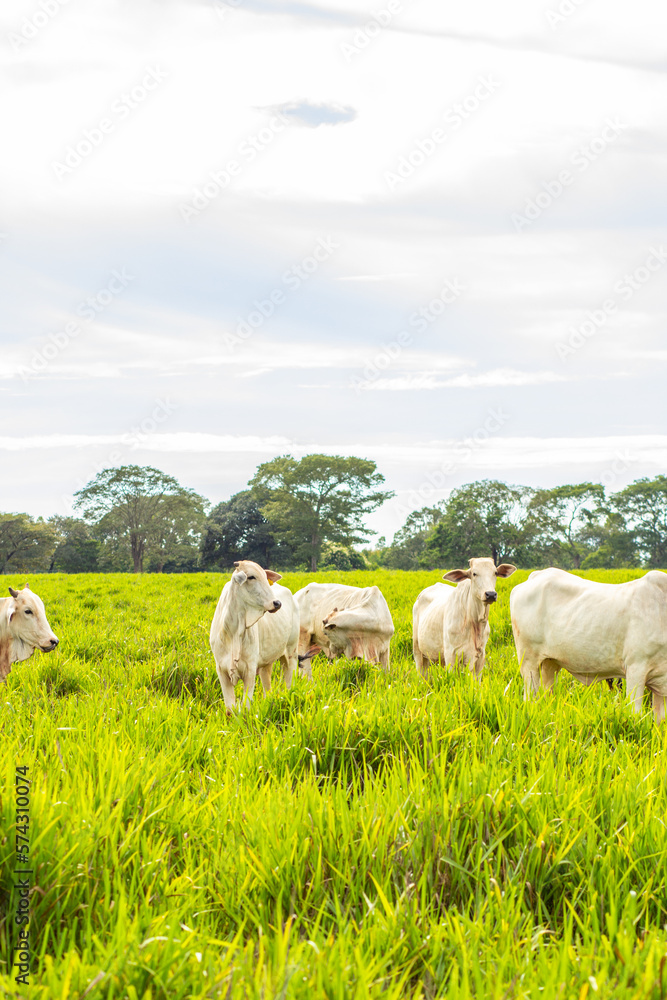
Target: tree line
(309,514)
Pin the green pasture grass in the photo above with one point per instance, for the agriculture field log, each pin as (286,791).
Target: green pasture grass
(367,836)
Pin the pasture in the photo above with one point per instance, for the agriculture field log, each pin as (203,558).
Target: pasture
(366,836)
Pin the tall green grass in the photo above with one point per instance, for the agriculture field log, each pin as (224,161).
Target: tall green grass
(366,836)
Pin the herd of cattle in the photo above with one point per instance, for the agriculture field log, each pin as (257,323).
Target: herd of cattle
(560,622)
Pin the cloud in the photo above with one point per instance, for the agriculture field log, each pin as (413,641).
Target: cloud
(314,115)
(497,377)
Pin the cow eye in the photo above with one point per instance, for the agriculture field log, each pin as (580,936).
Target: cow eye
(28,611)
(251,577)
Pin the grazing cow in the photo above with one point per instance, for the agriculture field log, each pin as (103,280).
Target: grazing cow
(594,631)
(23,629)
(244,640)
(452,623)
(343,621)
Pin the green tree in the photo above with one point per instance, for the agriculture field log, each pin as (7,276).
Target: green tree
(643,505)
(236,529)
(484,518)
(26,543)
(318,499)
(138,506)
(559,520)
(408,543)
(174,541)
(77,550)
(612,545)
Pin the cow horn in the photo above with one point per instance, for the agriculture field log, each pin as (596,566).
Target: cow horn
(13,592)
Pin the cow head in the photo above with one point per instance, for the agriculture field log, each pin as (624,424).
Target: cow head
(254,588)
(27,625)
(482,575)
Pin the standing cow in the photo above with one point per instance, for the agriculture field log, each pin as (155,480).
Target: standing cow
(23,629)
(593,630)
(247,641)
(452,623)
(343,621)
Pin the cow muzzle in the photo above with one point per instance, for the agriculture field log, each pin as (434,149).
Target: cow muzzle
(490,597)
(50,645)
(277,605)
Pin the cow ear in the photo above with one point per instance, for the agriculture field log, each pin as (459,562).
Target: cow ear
(13,592)
(505,569)
(239,576)
(456,575)
(271,576)
(26,586)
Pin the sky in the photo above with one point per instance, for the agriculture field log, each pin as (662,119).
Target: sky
(424,233)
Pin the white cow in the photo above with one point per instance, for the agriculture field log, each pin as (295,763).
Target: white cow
(23,629)
(593,630)
(451,624)
(244,640)
(343,621)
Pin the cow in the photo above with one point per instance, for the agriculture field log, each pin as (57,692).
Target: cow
(255,623)
(451,624)
(23,629)
(339,620)
(594,631)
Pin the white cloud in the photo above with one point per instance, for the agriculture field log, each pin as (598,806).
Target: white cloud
(497,377)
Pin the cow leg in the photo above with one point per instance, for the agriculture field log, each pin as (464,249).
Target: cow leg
(288,662)
(265,677)
(305,669)
(476,665)
(530,671)
(659,707)
(227,690)
(383,658)
(549,671)
(635,680)
(249,678)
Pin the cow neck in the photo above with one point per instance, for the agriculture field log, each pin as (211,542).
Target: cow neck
(234,614)
(476,610)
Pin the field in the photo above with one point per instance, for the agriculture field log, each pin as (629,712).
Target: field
(369,835)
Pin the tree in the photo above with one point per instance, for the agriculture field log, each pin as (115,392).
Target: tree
(408,543)
(236,529)
(612,545)
(320,498)
(77,550)
(26,543)
(643,505)
(174,540)
(138,506)
(484,518)
(558,520)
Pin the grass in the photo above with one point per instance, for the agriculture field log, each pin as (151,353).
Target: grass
(366,836)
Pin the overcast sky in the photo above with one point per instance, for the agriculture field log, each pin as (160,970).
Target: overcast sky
(426,233)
